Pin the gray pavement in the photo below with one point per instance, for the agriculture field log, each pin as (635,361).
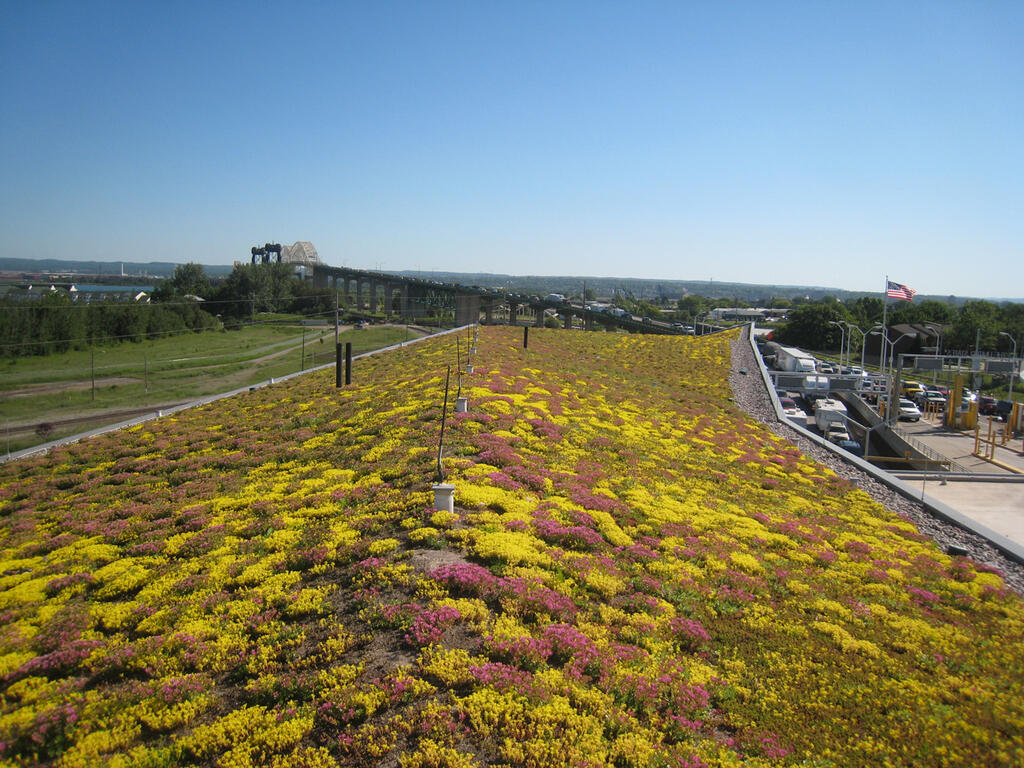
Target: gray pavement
(992,494)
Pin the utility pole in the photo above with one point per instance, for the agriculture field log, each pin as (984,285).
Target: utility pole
(337,300)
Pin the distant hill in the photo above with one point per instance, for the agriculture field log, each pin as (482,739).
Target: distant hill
(751,293)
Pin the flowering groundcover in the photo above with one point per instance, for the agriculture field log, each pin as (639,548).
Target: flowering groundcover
(636,574)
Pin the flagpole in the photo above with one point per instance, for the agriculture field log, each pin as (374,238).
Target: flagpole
(885,322)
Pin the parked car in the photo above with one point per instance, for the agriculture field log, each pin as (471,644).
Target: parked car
(1003,409)
(908,411)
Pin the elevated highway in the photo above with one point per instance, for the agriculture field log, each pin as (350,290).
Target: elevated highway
(414,298)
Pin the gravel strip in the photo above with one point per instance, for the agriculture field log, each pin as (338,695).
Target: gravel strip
(750,395)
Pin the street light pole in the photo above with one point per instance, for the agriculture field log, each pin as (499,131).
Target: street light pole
(892,348)
(894,381)
(1009,394)
(883,354)
(851,326)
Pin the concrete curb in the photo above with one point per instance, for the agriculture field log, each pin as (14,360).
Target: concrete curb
(934,507)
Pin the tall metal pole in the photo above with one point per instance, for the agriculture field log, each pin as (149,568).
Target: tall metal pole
(885,318)
(92,368)
(938,346)
(337,300)
(851,327)
(1009,394)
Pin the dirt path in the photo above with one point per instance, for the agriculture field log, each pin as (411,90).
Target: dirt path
(64,386)
(114,415)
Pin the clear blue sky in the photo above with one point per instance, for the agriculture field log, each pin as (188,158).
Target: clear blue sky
(809,143)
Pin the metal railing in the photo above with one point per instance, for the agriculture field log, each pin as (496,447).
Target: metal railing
(924,450)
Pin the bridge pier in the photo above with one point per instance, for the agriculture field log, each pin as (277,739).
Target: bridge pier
(403,301)
(467,309)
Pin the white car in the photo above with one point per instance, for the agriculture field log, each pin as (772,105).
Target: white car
(909,411)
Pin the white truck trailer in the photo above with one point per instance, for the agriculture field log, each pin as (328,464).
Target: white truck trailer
(793,359)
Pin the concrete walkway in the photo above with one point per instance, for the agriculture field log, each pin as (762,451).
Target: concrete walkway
(992,494)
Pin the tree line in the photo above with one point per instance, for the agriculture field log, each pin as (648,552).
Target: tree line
(975,323)
(57,323)
(186,302)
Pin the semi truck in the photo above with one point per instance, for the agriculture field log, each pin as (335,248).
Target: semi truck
(793,359)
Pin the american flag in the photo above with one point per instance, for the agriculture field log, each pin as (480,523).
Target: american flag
(897,291)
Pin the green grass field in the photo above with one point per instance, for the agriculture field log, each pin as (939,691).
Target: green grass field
(43,398)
